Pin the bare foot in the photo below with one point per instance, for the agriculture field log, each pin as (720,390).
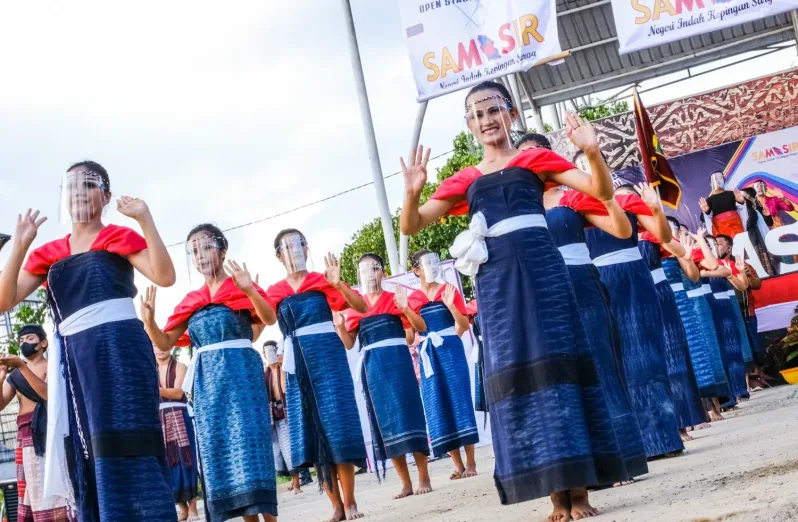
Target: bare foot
(194,517)
(624,483)
(702,426)
(424,488)
(353,514)
(297,491)
(685,436)
(580,507)
(562,507)
(406,492)
(338,515)
(457,474)
(715,417)
(470,471)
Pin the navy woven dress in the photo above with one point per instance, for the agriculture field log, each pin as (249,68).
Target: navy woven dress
(636,308)
(480,399)
(729,337)
(447,391)
(388,380)
(684,391)
(323,419)
(115,450)
(568,229)
(535,375)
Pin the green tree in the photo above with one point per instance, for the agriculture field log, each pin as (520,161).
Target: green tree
(27,313)
(604,110)
(437,237)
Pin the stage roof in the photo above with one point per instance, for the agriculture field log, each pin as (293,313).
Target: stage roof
(587,29)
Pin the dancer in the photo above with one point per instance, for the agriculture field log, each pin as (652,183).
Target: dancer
(386,370)
(527,303)
(445,378)
(113,457)
(688,407)
(568,213)
(27,382)
(636,308)
(323,420)
(721,205)
(740,284)
(178,435)
(224,381)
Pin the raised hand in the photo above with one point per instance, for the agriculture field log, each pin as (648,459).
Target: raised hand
(332,269)
(580,132)
(739,262)
(28,227)
(702,202)
(339,320)
(3,373)
(648,194)
(739,197)
(777,192)
(240,275)
(400,298)
(415,171)
(688,243)
(448,295)
(12,361)
(132,207)
(699,235)
(147,305)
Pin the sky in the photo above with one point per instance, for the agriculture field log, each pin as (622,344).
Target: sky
(224,113)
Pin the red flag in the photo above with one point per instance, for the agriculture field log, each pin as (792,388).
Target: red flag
(656,167)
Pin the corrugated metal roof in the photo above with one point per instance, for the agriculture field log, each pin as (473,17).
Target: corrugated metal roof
(595,65)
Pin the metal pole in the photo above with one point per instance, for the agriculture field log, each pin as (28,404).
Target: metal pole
(403,240)
(794,14)
(513,81)
(537,118)
(371,139)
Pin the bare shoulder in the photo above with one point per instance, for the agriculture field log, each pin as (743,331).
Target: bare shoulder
(182,368)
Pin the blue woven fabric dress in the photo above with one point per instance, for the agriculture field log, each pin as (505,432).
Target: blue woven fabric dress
(182,462)
(391,389)
(231,411)
(115,450)
(447,392)
(729,337)
(567,227)
(748,352)
(684,391)
(323,419)
(535,373)
(635,305)
(702,339)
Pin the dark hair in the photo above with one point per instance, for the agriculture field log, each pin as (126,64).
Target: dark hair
(578,153)
(724,236)
(415,259)
(213,230)
(624,185)
(33,329)
(284,232)
(751,191)
(710,236)
(93,166)
(673,221)
(538,139)
(490,86)
(269,343)
(372,255)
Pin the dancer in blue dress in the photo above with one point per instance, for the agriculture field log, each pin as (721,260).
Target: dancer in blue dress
(527,306)
(445,379)
(323,420)
(568,213)
(387,375)
(637,311)
(105,450)
(224,381)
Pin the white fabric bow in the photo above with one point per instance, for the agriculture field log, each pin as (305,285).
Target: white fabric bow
(437,340)
(469,246)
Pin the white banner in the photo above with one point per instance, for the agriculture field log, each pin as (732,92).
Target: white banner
(455,44)
(648,23)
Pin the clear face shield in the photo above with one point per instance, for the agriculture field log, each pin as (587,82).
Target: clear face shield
(430,265)
(206,253)
(293,253)
(3,240)
(717,181)
(760,188)
(270,352)
(82,196)
(369,276)
(713,246)
(489,119)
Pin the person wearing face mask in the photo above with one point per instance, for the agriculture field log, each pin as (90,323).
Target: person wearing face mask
(445,377)
(720,207)
(323,419)
(386,374)
(224,380)
(27,381)
(104,450)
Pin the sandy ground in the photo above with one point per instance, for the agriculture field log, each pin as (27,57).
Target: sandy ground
(742,469)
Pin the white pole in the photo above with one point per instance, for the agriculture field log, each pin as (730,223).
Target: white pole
(371,139)
(403,253)
(537,118)
(519,103)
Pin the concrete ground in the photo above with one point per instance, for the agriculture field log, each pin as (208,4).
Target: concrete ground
(744,469)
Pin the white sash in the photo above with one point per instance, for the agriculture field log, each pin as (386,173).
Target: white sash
(167,405)
(575,254)
(721,295)
(732,293)
(188,380)
(56,479)
(469,246)
(626,255)
(396,341)
(706,289)
(677,287)
(289,363)
(695,292)
(658,275)
(437,340)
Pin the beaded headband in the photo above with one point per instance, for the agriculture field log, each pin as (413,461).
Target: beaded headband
(492,97)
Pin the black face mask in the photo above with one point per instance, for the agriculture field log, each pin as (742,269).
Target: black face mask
(28,349)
